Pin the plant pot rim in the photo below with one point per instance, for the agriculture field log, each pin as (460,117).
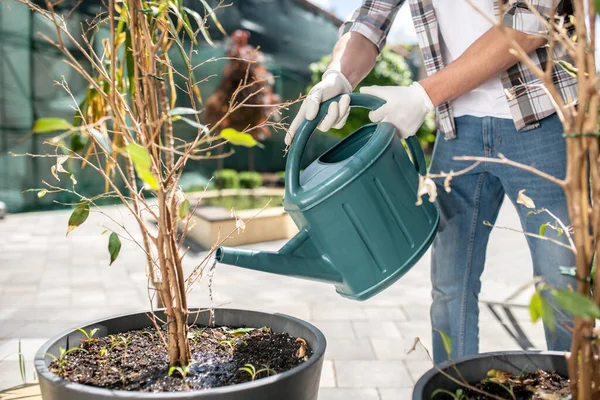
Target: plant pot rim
(42,368)
(425,378)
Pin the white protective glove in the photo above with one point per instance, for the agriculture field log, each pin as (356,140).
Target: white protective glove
(332,83)
(405,107)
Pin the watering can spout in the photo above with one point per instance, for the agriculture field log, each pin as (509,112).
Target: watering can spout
(284,262)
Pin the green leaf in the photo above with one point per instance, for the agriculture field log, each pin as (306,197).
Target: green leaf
(239,138)
(41,193)
(548,314)
(443,391)
(576,303)
(142,163)
(129,62)
(447,342)
(201,25)
(597,6)
(241,331)
(185,21)
(102,140)
(184,209)
(139,155)
(183,111)
(571,70)
(45,125)
(543,229)
(212,14)
(114,247)
(78,217)
(148,178)
(535,307)
(195,124)
(78,142)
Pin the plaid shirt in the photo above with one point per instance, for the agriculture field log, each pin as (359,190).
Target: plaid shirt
(526,98)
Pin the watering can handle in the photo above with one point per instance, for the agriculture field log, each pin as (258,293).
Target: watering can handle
(307,128)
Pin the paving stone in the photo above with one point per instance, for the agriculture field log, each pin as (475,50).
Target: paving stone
(334,330)
(417,368)
(361,374)
(349,394)
(328,375)
(376,329)
(385,313)
(420,329)
(417,311)
(349,349)
(395,394)
(323,312)
(396,349)
(10,375)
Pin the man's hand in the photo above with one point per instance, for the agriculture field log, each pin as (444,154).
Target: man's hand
(405,107)
(333,83)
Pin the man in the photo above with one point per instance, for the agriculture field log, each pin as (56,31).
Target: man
(487,104)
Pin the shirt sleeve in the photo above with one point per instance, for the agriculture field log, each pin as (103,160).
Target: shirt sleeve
(519,15)
(373,19)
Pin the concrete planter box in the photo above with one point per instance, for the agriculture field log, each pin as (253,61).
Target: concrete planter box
(212,224)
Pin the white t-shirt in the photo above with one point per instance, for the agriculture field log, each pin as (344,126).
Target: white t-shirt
(460,25)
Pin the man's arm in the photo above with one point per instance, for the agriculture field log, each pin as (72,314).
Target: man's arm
(485,58)
(354,56)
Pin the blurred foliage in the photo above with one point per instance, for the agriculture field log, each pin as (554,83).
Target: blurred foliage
(250,179)
(243,202)
(227,179)
(390,70)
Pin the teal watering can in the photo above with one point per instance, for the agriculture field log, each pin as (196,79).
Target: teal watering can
(354,206)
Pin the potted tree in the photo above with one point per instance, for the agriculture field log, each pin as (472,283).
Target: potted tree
(495,375)
(124,130)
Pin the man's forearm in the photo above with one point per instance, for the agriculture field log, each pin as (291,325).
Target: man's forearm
(485,58)
(355,56)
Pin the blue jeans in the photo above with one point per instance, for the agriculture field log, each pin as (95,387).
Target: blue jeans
(458,255)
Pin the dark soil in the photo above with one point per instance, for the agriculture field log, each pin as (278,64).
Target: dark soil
(137,360)
(540,385)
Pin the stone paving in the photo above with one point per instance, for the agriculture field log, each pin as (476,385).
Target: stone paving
(49,283)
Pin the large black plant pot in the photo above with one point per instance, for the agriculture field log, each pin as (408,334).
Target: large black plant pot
(299,383)
(473,369)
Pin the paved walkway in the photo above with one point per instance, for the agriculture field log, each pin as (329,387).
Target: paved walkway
(49,283)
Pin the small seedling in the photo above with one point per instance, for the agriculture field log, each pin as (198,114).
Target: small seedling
(122,340)
(183,371)
(458,395)
(251,369)
(193,336)
(241,331)
(61,360)
(103,352)
(149,334)
(229,343)
(89,335)
(22,365)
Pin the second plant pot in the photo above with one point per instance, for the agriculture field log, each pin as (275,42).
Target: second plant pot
(299,383)
(473,369)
